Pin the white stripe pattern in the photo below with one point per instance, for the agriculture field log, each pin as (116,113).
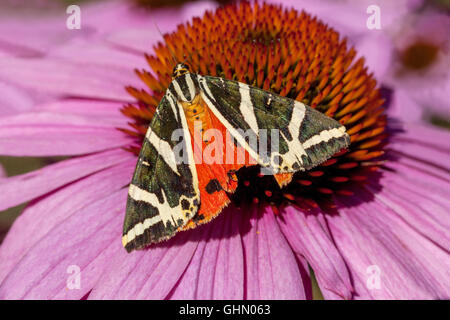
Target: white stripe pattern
(247,109)
(172,102)
(324,136)
(163,148)
(295,147)
(165,212)
(190,85)
(178,90)
(164,208)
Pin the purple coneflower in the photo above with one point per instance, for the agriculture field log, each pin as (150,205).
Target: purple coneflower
(422,60)
(372,223)
(410,49)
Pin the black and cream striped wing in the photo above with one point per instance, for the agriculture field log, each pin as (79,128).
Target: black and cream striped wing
(163,194)
(306,137)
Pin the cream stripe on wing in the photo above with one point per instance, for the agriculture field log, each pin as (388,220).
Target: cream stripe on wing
(247,109)
(165,212)
(190,85)
(295,147)
(163,148)
(324,136)
(178,90)
(172,102)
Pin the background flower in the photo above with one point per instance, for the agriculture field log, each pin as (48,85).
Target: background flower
(410,52)
(398,221)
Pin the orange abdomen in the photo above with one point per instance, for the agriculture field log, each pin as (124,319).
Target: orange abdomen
(197,115)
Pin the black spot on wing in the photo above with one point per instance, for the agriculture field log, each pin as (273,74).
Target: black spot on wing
(213,186)
(185,204)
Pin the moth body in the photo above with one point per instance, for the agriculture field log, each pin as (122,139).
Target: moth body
(167,195)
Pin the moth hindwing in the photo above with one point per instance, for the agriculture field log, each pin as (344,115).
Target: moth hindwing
(167,195)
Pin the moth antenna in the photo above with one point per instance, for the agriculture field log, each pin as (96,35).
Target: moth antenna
(167,45)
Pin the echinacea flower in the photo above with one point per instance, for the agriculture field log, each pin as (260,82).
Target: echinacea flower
(409,52)
(371,222)
(422,60)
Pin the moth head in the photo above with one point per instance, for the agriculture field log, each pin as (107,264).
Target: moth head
(179,70)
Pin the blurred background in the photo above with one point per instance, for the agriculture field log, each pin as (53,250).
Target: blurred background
(409,53)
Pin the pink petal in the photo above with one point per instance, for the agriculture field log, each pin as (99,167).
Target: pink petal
(309,237)
(87,240)
(99,112)
(424,143)
(97,20)
(424,206)
(349,16)
(402,106)
(61,77)
(146,274)
(400,222)
(28,39)
(13,100)
(271,268)
(371,234)
(104,55)
(377,51)
(25,187)
(140,36)
(50,134)
(45,214)
(217,269)
(112,16)
(434,98)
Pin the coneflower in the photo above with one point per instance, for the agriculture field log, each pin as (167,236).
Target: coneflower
(372,222)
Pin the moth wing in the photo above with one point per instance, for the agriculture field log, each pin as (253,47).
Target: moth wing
(303,137)
(163,195)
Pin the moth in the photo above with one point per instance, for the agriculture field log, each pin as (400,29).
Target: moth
(167,196)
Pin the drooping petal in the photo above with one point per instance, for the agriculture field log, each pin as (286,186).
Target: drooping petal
(45,214)
(422,142)
(308,236)
(65,78)
(145,28)
(13,100)
(271,268)
(104,55)
(103,113)
(83,244)
(146,274)
(28,39)
(399,227)
(217,269)
(19,189)
(55,134)
(388,258)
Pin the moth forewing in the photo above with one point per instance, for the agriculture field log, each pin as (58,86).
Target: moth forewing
(307,137)
(163,195)
(167,196)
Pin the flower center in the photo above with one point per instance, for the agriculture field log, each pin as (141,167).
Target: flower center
(293,55)
(419,55)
